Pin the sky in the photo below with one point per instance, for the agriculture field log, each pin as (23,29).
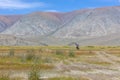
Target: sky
(28,6)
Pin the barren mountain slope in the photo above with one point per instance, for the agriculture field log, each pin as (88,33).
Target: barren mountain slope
(38,23)
(7,21)
(99,26)
(94,22)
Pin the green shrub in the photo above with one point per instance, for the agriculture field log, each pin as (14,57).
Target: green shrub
(71,54)
(48,60)
(90,46)
(59,52)
(34,73)
(11,53)
(37,59)
(4,77)
(30,55)
(23,58)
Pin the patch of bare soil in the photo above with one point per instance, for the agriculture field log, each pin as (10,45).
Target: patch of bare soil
(94,71)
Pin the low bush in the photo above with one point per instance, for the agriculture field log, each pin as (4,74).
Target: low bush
(34,73)
(59,52)
(11,53)
(30,55)
(4,77)
(71,54)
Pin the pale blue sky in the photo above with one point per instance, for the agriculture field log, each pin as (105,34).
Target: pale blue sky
(28,6)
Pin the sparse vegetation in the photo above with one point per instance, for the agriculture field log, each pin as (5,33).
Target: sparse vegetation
(4,77)
(71,54)
(30,55)
(7,77)
(34,73)
(68,78)
(49,59)
(59,52)
(11,53)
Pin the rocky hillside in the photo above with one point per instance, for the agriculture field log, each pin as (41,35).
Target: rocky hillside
(38,23)
(84,26)
(7,21)
(93,22)
(89,22)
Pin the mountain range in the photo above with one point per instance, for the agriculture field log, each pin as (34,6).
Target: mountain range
(98,26)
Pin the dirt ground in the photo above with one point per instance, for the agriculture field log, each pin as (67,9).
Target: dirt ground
(100,66)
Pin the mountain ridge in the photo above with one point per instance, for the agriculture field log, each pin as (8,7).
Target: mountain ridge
(86,24)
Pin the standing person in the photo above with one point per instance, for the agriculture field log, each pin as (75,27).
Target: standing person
(77,46)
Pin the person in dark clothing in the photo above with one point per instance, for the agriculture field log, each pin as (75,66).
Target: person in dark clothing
(77,46)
